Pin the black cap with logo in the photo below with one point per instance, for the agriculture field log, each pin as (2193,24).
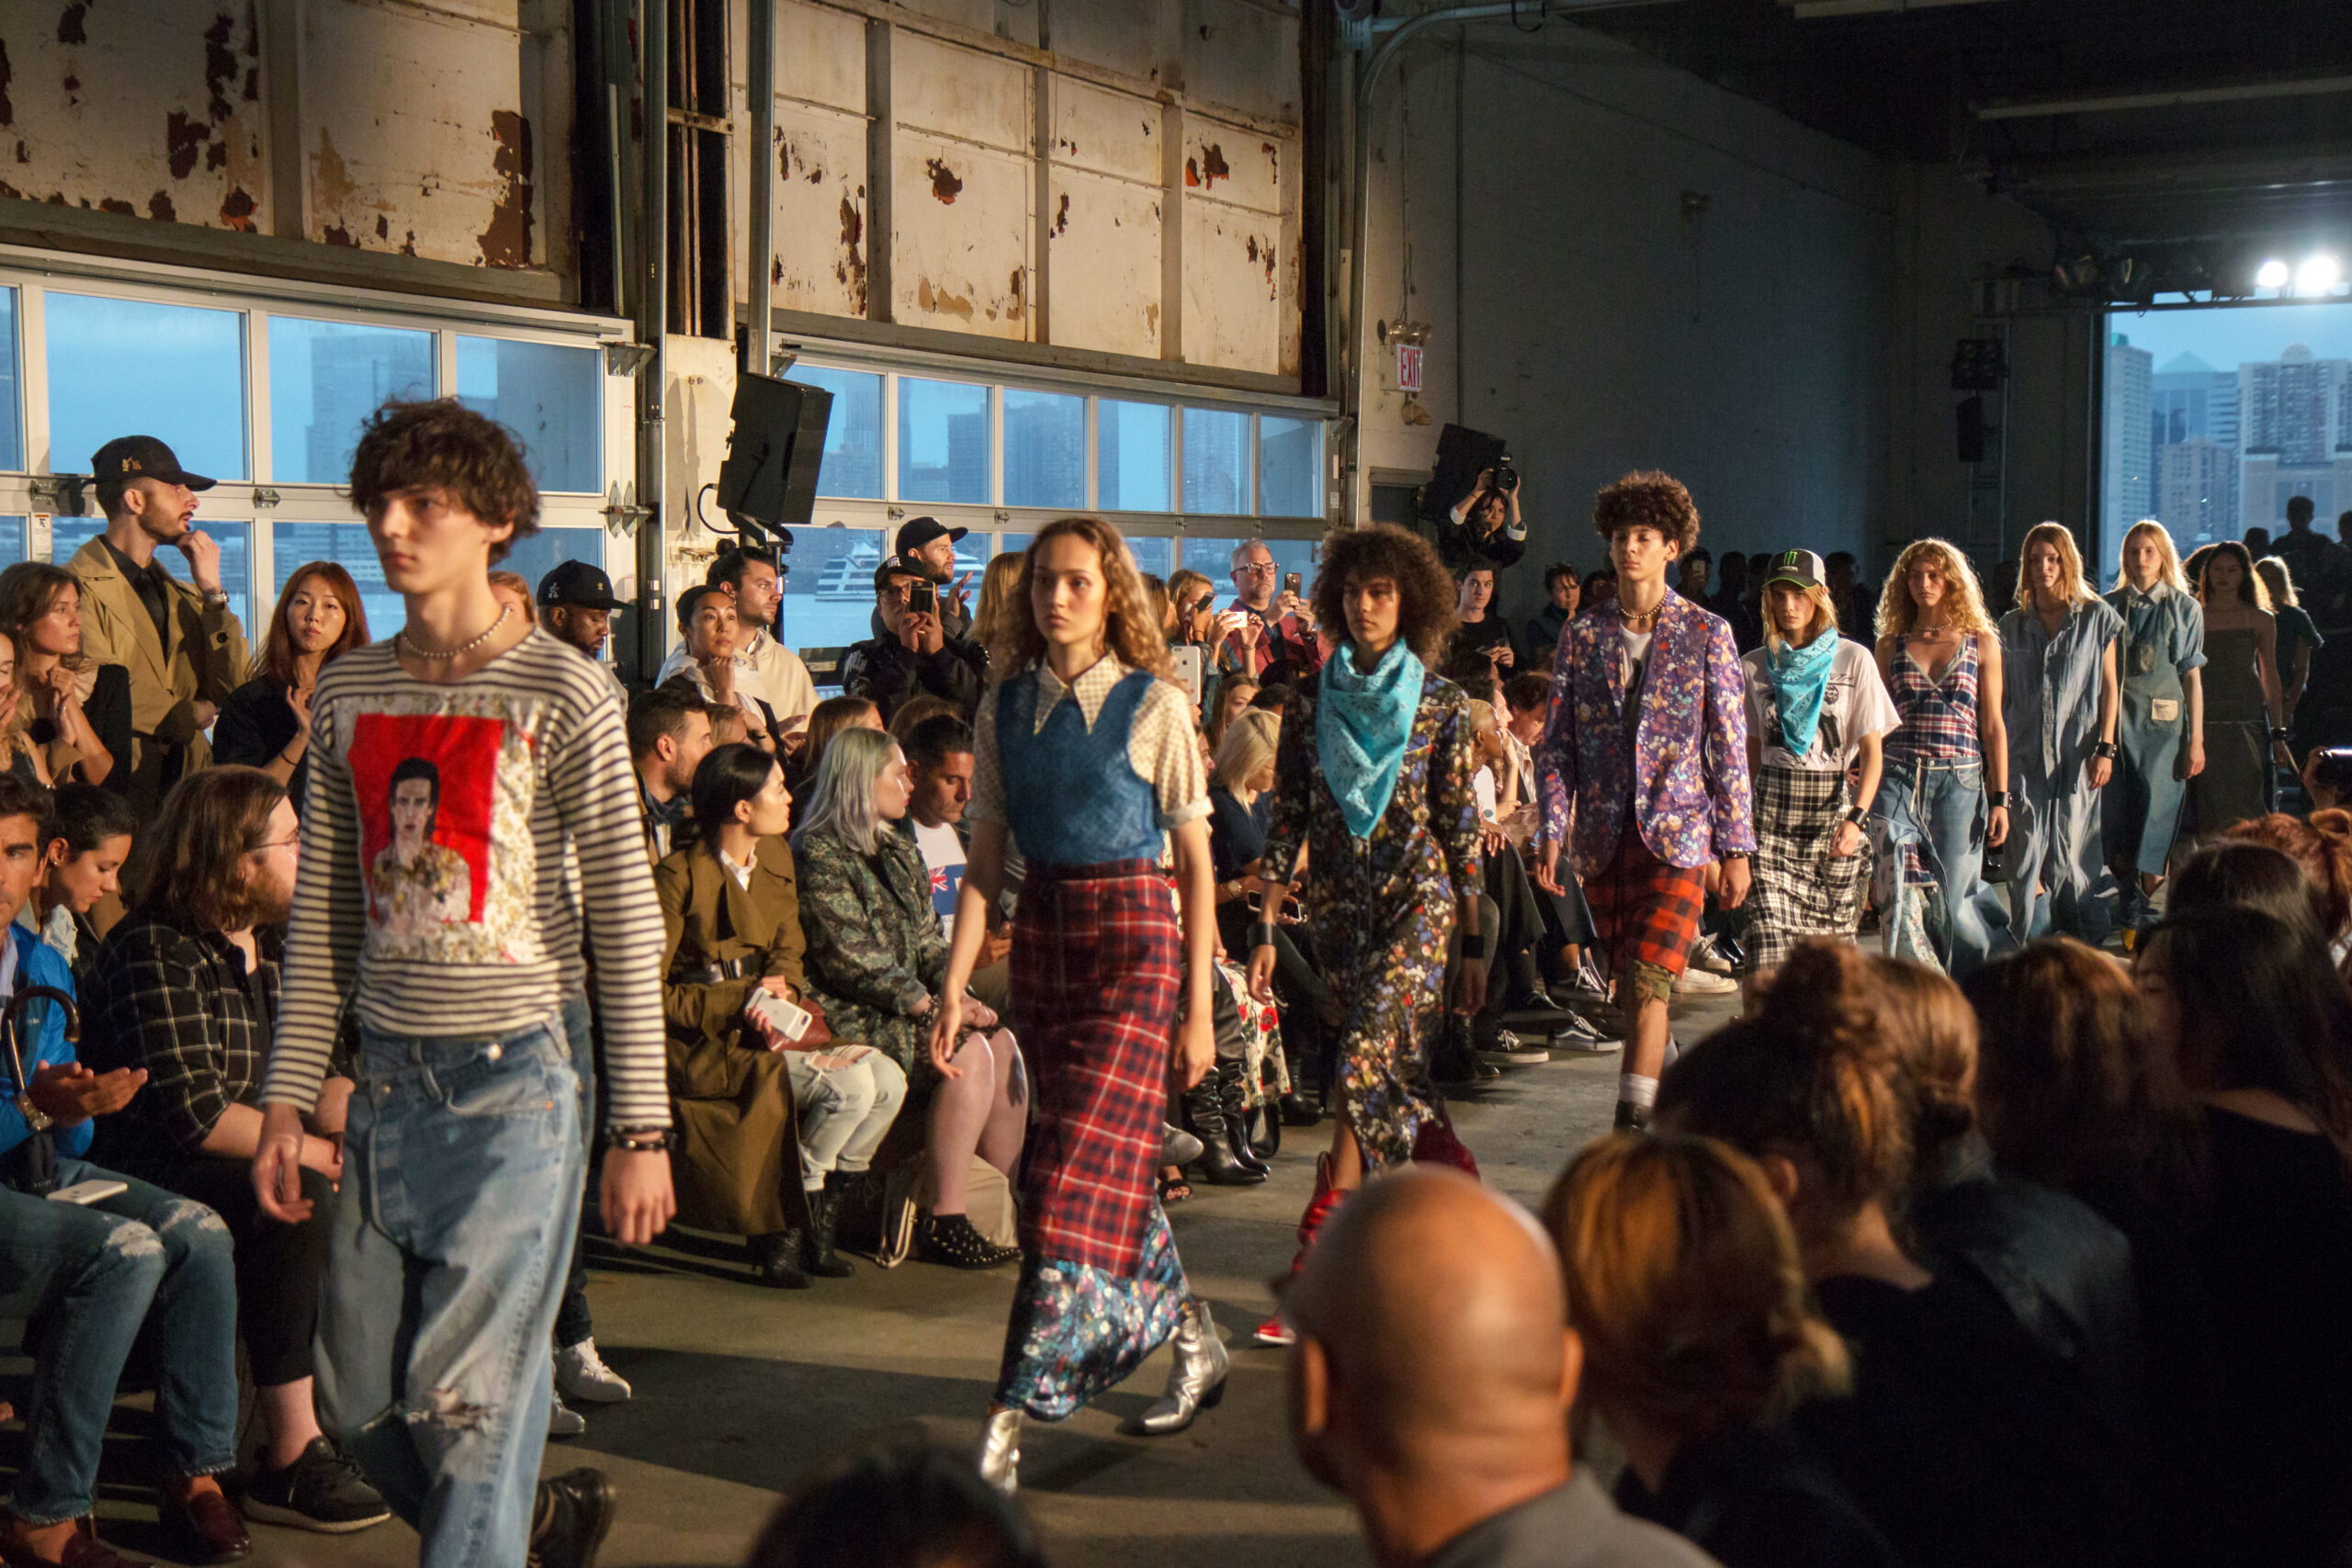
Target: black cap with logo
(128,457)
(577,583)
(1802,568)
(917,532)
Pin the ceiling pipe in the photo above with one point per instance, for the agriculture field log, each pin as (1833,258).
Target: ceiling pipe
(761,43)
(2178,97)
(653,327)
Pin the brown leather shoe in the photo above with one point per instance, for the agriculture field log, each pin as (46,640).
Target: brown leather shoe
(82,1548)
(203,1529)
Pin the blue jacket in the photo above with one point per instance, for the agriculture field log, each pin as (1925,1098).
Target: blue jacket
(38,963)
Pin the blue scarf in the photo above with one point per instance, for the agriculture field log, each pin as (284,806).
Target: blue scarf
(1361,722)
(1800,676)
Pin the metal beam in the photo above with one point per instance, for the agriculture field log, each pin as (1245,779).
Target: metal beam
(1815,10)
(760,84)
(2176,98)
(653,327)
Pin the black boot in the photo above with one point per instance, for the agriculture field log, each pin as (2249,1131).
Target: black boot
(1205,1109)
(776,1259)
(817,1254)
(1233,1095)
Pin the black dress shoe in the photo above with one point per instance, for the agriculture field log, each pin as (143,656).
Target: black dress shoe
(569,1518)
(776,1260)
(203,1527)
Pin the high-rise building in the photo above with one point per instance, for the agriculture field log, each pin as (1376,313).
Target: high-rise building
(2295,436)
(2187,399)
(2126,488)
(2194,479)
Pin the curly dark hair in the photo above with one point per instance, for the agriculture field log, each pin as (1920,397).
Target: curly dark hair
(443,444)
(1647,498)
(1426,599)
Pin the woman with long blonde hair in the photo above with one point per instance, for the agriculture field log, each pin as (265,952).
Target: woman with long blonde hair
(1000,596)
(1084,752)
(2059,668)
(2245,719)
(1941,657)
(2160,735)
(2297,636)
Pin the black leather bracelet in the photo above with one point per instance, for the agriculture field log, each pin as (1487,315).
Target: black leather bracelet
(1858,815)
(2104,750)
(1997,799)
(1262,934)
(640,1140)
(1474,945)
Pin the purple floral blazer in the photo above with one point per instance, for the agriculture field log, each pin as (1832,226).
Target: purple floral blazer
(1687,769)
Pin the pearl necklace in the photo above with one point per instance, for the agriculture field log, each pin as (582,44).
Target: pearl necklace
(431,657)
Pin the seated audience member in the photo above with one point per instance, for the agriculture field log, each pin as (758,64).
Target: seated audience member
(513,591)
(668,734)
(74,711)
(1001,595)
(926,546)
(1694,569)
(916,656)
(827,719)
(711,640)
(265,723)
(903,722)
(2261,1025)
(1430,1381)
(186,988)
(1270,633)
(1965,1443)
(765,669)
(1568,919)
(89,832)
(1483,631)
(2321,846)
(1241,807)
(1272,698)
(2327,777)
(577,603)
(911,1507)
(939,755)
(1562,591)
(1683,1285)
(1484,527)
(19,755)
(729,726)
(877,955)
(730,910)
(1235,694)
(1599,587)
(2063,1272)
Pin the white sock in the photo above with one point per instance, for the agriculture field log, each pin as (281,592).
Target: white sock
(1632,1088)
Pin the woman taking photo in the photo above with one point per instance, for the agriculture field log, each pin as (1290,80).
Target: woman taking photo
(265,723)
(772,1126)
(2160,735)
(2058,669)
(74,711)
(876,963)
(1817,712)
(1941,659)
(1085,756)
(2245,731)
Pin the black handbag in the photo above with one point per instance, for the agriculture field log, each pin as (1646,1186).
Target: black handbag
(30,1168)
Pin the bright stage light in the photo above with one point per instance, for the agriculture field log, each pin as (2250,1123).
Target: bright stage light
(2272,275)
(2318,275)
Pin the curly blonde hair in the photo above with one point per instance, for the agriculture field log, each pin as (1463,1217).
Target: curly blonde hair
(1130,630)
(1897,611)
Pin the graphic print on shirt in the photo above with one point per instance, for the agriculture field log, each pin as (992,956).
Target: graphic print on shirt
(445,846)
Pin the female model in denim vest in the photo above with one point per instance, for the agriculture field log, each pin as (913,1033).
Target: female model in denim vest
(1373,788)
(1943,798)
(1084,754)
(2160,738)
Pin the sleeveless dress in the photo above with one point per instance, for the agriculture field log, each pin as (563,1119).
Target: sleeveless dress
(2237,783)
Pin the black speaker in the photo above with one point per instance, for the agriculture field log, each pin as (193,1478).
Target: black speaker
(1462,454)
(1968,420)
(770,474)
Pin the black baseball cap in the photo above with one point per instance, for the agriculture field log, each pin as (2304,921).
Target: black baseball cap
(128,457)
(578,583)
(917,532)
(1802,568)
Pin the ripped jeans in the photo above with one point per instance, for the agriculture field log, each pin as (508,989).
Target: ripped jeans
(96,1273)
(461,1188)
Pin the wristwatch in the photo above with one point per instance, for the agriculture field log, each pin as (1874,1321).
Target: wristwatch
(216,598)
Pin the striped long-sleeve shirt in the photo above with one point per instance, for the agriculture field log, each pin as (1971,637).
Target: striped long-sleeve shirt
(453,839)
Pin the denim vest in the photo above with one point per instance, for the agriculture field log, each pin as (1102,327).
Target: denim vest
(1073,796)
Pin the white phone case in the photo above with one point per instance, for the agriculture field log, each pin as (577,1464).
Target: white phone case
(788,1021)
(87,1192)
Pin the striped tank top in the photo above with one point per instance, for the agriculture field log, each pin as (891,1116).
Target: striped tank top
(1939,716)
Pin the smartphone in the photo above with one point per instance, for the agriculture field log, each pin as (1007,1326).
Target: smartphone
(788,1021)
(83,1193)
(1186,660)
(1290,582)
(923,599)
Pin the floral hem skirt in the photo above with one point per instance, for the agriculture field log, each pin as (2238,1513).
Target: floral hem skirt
(1077,1331)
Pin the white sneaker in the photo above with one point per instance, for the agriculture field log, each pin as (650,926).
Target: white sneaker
(582,1373)
(1698,982)
(1510,1051)
(1708,956)
(562,1420)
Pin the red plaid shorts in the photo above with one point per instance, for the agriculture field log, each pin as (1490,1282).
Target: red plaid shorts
(1644,909)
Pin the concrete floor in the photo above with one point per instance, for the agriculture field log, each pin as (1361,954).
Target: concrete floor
(740,1389)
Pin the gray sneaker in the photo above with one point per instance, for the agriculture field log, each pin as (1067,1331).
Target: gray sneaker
(1582,1039)
(1510,1051)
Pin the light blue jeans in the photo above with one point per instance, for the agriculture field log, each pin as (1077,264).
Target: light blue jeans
(1938,805)
(461,1195)
(99,1272)
(2056,859)
(845,1112)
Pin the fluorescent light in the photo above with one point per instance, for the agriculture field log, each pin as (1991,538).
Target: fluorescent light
(2318,275)
(2273,275)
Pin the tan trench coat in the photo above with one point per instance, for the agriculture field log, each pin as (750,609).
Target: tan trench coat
(201,658)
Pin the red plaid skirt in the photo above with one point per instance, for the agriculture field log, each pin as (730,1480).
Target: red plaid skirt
(1644,909)
(1095,971)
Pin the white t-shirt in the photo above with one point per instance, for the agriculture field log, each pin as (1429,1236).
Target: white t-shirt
(1854,704)
(943,852)
(1637,651)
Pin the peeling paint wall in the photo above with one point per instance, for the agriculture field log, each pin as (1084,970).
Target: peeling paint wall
(1235,251)
(190,145)
(819,151)
(964,189)
(1104,221)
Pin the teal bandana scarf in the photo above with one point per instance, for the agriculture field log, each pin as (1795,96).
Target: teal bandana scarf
(1800,676)
(1361,722)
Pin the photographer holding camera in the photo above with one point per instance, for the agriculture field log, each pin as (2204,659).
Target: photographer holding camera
(917,655)
(1485,527)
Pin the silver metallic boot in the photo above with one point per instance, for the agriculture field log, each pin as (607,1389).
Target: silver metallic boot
(1197,1381)
(1000,1456)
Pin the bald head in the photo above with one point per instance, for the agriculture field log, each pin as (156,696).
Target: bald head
(1431,1332)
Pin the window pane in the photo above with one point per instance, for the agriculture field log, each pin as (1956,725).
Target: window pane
(829,591)
(1217,462)
(1045,449)
(12,398)
(67,534)
(1130,447)
(188,389)
(942,440)
(853,465)
(12,541)
(1213,558)
(1154,553)
(536,556)
(293,545)
(1290,466)
(548,394)
(325,378)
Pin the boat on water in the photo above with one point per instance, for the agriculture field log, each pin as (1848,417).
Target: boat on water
(850,575)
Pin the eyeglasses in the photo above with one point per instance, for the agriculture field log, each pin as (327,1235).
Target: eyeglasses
(294,843)
(1266,566)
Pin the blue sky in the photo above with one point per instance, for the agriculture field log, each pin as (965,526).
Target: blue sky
(2225,336)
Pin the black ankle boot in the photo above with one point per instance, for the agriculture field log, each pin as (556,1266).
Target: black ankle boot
(1233,1099)
(954,1240)
(776,1259)
(817,1254)
(1205,1109)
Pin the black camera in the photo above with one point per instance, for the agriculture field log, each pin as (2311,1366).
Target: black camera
(1506,477)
